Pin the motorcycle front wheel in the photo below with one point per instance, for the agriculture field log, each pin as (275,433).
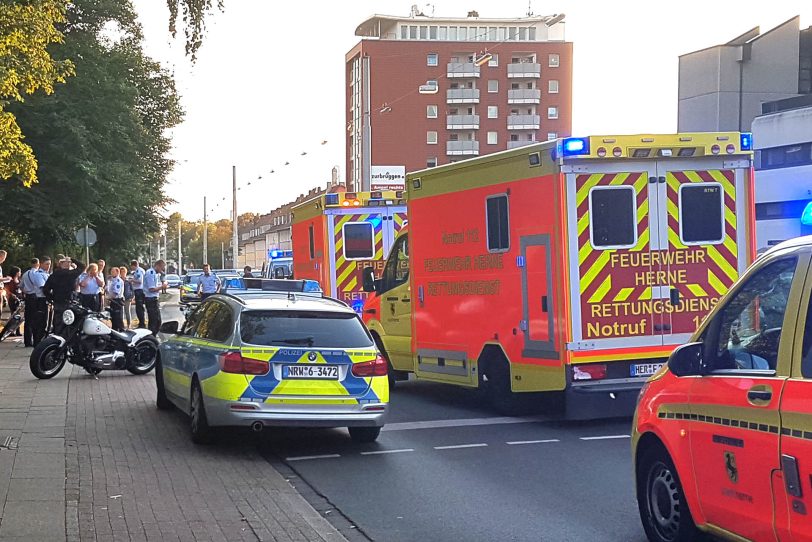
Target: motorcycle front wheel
(47,359)
(145,355)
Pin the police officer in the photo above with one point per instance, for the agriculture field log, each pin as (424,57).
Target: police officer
(90,283)
(152,288)
(136,279)
(35,306)
(115,293)
(207,283)
(60,287)
(45,268)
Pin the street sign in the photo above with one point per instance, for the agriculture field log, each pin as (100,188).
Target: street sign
(80,237)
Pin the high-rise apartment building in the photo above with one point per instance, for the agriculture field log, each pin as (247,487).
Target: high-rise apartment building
(424,91)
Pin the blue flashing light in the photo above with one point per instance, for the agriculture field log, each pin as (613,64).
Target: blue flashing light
(358,306)
(375,221)
(746,141)
(806,216)
(311,286)
(574,146)
(331,199)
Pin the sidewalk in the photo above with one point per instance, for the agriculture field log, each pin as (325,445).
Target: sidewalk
(85,460)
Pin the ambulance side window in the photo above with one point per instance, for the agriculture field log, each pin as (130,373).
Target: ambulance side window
(749,326)
(397,266)
(613,217)
(359,241)
(701,218)
(311,241)
(498,223)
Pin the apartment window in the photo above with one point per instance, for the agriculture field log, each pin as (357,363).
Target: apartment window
(431,161)
(552,86)
(531,33)
(552,135)
(522,33)
(494,61)
(491,33)
(493,85)
(493,112)
(412,32)
(404,32)
(431,111)
(502,33)
(554,60)
(452,33)
(514,137)
(493,138)
(453,137)
(443,35)
(431,59)
(431,138)
(513,33)
(424,32)
(552,112)
(432,32)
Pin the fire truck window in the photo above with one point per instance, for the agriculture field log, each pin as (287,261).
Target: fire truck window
(751,321)
(498,223)
(612,217)
(397,267)
(700,212)
(359,241)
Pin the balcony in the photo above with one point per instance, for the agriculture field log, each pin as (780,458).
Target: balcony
(524,70)
(462,148)
(463,96)
(462,122)
(524,96)
(517,144)
(523,122)
(462,69)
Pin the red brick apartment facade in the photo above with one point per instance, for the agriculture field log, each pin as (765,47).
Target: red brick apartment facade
(508,83)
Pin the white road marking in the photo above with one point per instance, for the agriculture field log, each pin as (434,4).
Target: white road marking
(458,446)
(533,441)
(380,452)
(606,437)
(307,457)
(465,422)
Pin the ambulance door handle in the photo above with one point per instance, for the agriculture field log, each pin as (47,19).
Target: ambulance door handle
(390,298)
(406,299)
(652,180)
(760,395)
(661,180)
(544,307)
(792,478)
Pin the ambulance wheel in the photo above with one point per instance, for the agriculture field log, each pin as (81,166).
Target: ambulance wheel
(495,381)
(364,434)
(661,500)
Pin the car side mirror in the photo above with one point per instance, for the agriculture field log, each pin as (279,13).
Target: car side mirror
(686,360)
(368,275)
(170,328)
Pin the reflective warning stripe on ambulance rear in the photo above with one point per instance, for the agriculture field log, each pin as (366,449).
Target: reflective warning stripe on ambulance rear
(346,272)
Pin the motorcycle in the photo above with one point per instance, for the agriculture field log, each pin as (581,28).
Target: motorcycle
(90,343)
(13,323)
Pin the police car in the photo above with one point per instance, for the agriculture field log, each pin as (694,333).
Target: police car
(273,353)
(722,436)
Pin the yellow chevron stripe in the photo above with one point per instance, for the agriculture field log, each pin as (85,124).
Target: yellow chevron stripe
(693,176)
(619,179)
(730,217)
(721,262)
(345,272)
(673,210)
(602,290)
(596,268)
(583,192)
(715,283)
(642,241)
(731,246)
(646,295)
(719,177)
(350,287)
(697,290)
(672,182)
(624,294)
(673,237)
(583,222)
(584,252)
(642,211)
(640,185)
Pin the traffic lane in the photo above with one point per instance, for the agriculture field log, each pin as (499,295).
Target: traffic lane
(446,483)
(417,400)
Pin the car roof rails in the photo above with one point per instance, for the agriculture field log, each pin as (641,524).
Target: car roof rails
(310,288)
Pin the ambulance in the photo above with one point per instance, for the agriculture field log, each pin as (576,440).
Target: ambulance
(338,234)
(572,266)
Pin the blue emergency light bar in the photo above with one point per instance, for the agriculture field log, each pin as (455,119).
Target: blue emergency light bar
(281,254)
(575,146)
(806,216)
(331,199)
(746,141)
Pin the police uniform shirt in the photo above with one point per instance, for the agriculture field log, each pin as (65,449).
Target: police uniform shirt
(138,279)
(151,280)
(41,277)
(33,281)
(91,288)
(115,288)
(208,284)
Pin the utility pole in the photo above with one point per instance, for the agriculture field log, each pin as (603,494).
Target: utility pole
(223,255)
(205,234)
(180,253)
(234,250)
(87,247)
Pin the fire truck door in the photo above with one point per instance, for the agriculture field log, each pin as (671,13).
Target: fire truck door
(537,297)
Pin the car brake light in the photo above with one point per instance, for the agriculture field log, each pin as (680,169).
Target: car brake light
(376,367)
(596,371)
(233,362)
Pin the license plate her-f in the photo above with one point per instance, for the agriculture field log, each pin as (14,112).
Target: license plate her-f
(318,372)
(645,369)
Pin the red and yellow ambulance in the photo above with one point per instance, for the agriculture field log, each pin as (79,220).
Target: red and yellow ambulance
(338,234)
(571,266)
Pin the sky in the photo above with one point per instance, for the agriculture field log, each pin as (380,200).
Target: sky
(269,85)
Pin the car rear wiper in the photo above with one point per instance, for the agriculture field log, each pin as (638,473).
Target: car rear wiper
(297,340)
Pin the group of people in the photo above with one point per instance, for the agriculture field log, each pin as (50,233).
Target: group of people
(48,294)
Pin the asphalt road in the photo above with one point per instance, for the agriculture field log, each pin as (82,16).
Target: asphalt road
(446,467)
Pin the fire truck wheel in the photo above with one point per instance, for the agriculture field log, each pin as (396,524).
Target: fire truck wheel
(661,500)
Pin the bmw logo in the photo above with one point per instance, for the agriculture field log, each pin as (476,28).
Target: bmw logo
(311,356)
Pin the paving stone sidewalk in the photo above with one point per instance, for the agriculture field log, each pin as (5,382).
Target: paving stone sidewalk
(84,459)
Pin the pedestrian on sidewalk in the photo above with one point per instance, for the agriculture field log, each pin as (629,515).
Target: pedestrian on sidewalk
(115,293)
(137,280)
(45,267)
(32,282)
(129,294)
(102,264)
(60,288)
(152,289)
(90,283)
(14,295)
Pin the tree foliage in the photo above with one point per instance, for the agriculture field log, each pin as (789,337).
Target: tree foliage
(27,28)
(193,14)
(102,140)
(219,235)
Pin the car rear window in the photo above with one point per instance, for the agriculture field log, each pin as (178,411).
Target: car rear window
(314,329)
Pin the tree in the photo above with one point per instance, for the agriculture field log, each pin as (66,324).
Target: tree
(27,28)
(194,21)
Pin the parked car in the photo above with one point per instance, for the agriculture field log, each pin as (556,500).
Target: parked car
(173,281)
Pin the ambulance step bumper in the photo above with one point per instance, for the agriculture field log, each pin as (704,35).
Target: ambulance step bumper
(616,398)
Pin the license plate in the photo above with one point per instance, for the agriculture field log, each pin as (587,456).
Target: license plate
(317,372)
(645,369)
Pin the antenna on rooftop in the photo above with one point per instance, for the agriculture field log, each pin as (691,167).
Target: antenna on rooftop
(529,8)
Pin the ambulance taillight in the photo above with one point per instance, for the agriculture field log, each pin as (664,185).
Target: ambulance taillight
(592,371)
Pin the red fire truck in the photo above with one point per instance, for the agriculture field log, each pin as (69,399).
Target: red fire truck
(571,266)
(336,235)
